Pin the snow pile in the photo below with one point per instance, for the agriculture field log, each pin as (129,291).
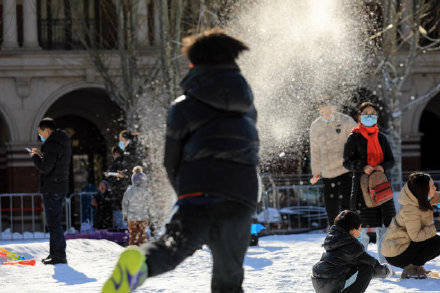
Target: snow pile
(279,264)
(8,235)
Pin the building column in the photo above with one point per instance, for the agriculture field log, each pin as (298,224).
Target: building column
(156,24)
(142,24)
(10,40)
(30,26)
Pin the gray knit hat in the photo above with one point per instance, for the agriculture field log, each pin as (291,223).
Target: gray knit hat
(138,177)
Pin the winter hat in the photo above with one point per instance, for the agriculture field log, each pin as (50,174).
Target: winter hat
(105,182)
(138,176)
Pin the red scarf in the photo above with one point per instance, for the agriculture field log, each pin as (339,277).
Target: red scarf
(374,150)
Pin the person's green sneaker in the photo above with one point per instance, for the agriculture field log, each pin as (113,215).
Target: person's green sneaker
(130,272)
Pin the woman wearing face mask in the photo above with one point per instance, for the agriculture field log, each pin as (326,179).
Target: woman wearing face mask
(133,152)
(367,150)
(412,240)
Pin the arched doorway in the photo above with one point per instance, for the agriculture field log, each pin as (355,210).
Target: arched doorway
(89,151)
(430,119)
(93,122)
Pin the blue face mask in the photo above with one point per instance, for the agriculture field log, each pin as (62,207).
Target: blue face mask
(121,145)
(369,120)
(42,138)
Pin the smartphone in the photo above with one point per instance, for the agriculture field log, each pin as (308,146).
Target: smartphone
(28,149)
(108,174)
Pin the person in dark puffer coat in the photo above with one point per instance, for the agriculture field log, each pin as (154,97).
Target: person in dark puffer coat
(345,256)
(358,160)
(211,157)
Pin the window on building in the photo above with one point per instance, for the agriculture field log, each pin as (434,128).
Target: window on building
(78,24)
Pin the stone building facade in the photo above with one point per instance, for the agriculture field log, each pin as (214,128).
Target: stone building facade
(45,72)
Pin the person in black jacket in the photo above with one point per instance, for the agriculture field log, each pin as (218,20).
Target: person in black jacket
(133,154)
(118,185)
(367,150)
(211,157)
(53,164)
(345,259)
(103,207)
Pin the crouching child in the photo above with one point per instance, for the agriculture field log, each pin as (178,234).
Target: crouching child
(345,257)
(135,208)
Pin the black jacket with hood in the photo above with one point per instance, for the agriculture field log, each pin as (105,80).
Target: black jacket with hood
(212,141)
(54,165)
(343,254)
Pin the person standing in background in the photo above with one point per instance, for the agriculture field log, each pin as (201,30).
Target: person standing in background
(103,207)
(53,164)
(328,135)
(367,150)
(117,184)
(136,207)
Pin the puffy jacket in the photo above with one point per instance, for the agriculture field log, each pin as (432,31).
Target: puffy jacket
(343,254)
(211,140)
(410,224)
(136,203)
(54,165)
(355,159)
(327,142)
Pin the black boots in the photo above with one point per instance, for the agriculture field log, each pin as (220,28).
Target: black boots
(49,260)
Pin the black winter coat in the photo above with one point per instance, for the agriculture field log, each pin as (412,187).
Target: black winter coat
(117,187)
(355,159)
(103,213)
(54,165)
(212,141)
(133,156)
(343,254)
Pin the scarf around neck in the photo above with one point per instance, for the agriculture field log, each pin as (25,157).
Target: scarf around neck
(374,150)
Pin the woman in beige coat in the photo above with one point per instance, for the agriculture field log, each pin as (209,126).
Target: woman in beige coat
(411,239)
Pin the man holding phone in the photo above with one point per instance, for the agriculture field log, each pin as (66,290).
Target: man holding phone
(53,164)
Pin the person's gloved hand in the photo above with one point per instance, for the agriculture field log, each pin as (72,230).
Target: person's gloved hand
(384,271)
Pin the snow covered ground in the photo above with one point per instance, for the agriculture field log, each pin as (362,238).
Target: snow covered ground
(279,264)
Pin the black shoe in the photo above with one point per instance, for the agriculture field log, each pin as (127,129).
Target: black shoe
(46,258)
(54,261)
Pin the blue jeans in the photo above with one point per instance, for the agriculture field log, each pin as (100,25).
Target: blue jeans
(53,208)
(87,212)
(365,239)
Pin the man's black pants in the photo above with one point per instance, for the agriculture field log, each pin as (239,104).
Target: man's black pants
(53,204)
(418,253)
(337,195)
(223,226)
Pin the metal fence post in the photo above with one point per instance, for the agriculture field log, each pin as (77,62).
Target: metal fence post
(12,223)
(68,212)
